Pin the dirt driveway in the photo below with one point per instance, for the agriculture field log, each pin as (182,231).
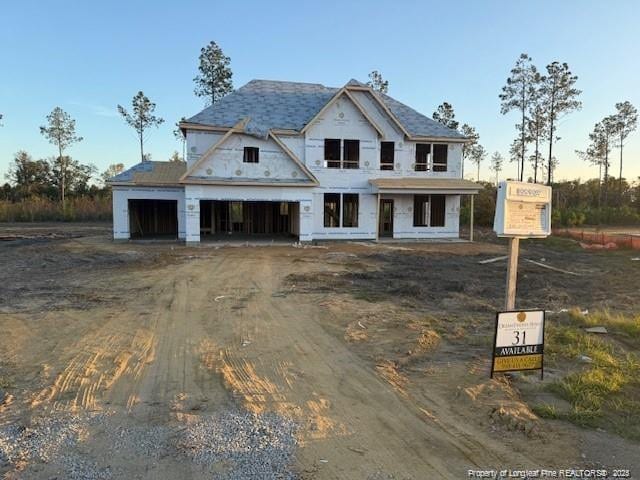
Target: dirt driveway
(161,361)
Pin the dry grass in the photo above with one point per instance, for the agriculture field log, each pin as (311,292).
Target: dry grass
(38,209)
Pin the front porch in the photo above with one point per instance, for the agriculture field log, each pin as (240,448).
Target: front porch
(420,208)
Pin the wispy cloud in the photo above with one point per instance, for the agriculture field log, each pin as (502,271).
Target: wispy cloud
(98,110)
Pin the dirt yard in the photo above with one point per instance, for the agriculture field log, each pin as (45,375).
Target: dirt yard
(336,361)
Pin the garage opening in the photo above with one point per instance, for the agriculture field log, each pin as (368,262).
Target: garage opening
(243,219)
(153,219)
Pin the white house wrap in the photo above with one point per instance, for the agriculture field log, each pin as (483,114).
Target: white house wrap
(301,160)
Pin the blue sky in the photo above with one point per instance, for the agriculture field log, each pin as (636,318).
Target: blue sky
(87,57)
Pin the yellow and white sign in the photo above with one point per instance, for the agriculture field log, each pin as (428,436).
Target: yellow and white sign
(519,341)
(523,210)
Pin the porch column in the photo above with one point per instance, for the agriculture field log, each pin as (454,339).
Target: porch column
(377,216)
(471,221)
(192,220)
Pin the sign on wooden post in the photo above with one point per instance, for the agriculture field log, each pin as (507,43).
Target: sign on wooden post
(523,210)
(518,341)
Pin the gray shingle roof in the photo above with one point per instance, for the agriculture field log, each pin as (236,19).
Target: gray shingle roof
(291,105)
(152,173)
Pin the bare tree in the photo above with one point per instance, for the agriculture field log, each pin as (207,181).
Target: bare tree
(378,83)
(446,116)
(558,97)
(61,132)
(516,95)
(214,79)
(141,117)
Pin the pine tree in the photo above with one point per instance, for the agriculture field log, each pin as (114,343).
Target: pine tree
(558,97)
(446,116)
(61,132)
(378,83)
(141,118)
(472,139)
(626,121)
(516,95)
(214,79)
(537,122)
(478,154)
(496,164)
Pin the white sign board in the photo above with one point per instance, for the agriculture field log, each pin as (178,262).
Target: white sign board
(519,341)
(523,210)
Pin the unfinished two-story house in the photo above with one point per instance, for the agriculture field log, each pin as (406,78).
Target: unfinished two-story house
(276,159)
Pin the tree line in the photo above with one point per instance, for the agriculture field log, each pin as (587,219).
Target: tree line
(60,176)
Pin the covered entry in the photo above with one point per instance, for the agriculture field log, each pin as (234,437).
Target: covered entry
(266,219)
(153,218)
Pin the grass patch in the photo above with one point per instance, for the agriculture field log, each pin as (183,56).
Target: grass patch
(628,325)
(5,382)
(602,389)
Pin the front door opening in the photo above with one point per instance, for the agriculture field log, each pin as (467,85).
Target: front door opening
(385,228)
(153,219)
(265,219)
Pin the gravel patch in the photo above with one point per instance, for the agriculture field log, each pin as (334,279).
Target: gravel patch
(102,446)
(243,445)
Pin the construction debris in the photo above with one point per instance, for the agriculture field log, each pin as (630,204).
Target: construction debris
(596,330)
(555,269)
(491,260)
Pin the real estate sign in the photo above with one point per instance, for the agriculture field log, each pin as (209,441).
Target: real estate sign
(523,210)
(518,341)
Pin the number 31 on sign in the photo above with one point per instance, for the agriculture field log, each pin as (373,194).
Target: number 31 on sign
(518,341)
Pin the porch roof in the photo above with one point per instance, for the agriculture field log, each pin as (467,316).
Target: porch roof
(425,185)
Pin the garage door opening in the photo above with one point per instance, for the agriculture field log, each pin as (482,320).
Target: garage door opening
(221,219)
(153,219)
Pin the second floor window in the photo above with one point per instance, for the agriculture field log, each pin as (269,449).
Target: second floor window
(251,155)
(386,155)
(440,157)
(341,153)
(431,157)
(332,152)
(423,154)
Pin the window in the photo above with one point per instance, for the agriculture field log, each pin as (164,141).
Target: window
(332,152)
(331,209)
(346,157)
(235,212)
(429,210)
(423,152)
(351,154)
(350,210)
(440,157)
(421,210)
(251,155)
(284,208)
(437,210)
(386,155)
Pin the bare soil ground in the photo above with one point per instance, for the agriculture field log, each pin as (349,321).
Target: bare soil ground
(336,361)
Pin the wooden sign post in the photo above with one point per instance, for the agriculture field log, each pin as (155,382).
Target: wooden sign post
(512,273)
